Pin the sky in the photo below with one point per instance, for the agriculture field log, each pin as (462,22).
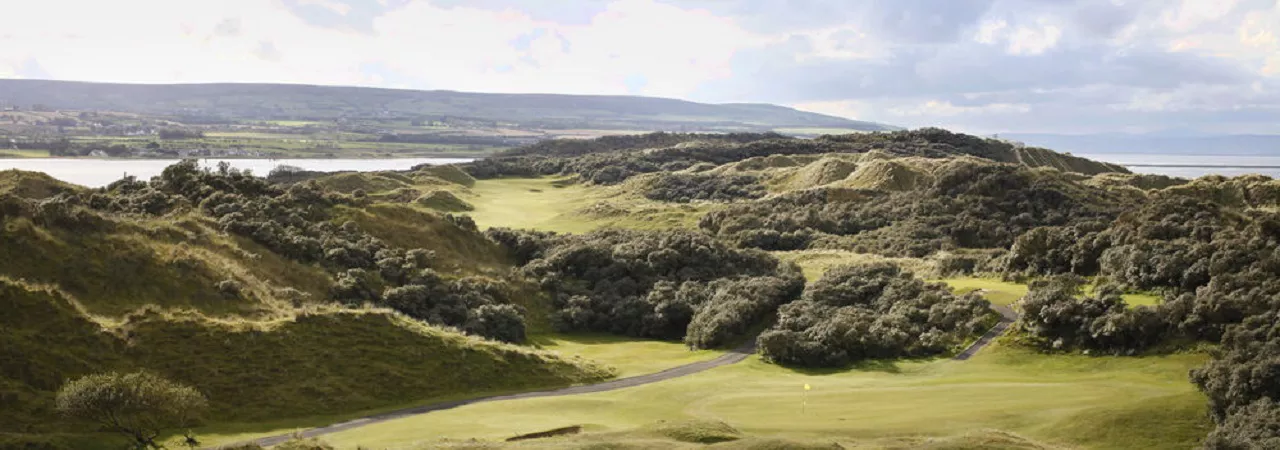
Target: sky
(979,66)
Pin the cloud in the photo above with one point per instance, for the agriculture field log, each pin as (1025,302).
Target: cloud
(268,52)
(228,27)
(1035,65)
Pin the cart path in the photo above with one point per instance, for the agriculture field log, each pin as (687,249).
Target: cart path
(1007,316)
(732,357)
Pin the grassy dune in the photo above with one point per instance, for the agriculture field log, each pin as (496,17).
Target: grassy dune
(1121,402)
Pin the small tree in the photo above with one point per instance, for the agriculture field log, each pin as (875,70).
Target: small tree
(140,405)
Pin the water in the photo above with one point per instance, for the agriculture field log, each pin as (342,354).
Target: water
(1192,166)
(101,172)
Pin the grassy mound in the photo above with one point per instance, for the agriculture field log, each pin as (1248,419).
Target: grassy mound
(888,175)
(824,171)
(403,226)
(34,185)
(369,182)
(695,431)
(114,267)
(256,370)
(1145,182)
(1039,157)
(449,173)
(444,201)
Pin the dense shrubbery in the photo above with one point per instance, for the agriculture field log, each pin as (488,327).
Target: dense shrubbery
(613,159)
(297,222)
(874,311)
(666,285)
(1213,247)
(970,205)
(684,188)
(1058,315)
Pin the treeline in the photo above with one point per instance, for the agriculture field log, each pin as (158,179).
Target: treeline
(298,222)
(1213,248)
(428,138)
(673,284)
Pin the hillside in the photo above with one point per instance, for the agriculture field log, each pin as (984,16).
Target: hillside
(300,102)
(90,284)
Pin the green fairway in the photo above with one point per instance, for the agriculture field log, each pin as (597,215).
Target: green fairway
(996,291)
(549,204)
(630,356)
(1095,402)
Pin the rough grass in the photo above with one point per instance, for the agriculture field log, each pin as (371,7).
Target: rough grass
(1001,388)
(444,201)
(258,371)
(35,185)
(369,182)
(120,267)
(457,250)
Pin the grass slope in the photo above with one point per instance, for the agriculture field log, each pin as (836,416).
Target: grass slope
(1124,403)
(258,372)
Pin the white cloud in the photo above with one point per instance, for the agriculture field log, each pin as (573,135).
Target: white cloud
(937,108)
(331,5)
(1027,40)
(1191,14)
(462,48)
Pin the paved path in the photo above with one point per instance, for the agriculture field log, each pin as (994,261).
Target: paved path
(1007,317)
(733,356)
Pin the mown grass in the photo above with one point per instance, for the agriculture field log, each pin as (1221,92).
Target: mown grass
(552,204)
(1120,401)
(628,355)
(996,291)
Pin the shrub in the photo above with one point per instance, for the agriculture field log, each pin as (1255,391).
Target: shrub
(139,405)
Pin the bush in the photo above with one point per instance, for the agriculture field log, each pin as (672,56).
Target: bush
(868,312)
(139,405)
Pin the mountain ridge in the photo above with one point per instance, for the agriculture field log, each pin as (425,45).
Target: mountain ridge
(302,101)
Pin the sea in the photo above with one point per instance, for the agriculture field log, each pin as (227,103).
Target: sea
(101,172)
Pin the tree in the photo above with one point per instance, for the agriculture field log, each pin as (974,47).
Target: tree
(140,405)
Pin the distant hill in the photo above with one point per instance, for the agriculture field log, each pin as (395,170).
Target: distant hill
(1159,143)
(305,102)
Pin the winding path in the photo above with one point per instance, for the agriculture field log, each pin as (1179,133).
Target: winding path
(1007,316)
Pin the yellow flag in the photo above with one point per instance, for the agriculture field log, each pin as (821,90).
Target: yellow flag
(806,386)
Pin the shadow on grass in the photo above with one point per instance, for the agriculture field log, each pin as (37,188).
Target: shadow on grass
(585,339)
(880,365)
